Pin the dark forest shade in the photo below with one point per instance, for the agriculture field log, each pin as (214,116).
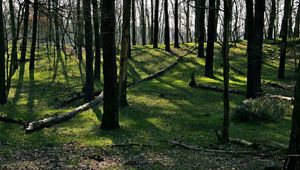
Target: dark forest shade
(34,34)
(283,44)
(25,31)
(89,82)
(155,33)
(110,119)
(202,29)
(211,33)
(167,28)
(97,71)
(176,33)
(3,98)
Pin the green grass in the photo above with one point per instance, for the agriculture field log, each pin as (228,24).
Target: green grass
(164,108)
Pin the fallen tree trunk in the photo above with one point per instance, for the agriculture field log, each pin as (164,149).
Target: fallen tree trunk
(11,120)
(157,74)
(279,85)
(219,89)
(77,96)
(40,124)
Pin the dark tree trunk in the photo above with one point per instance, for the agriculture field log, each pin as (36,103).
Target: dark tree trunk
(152,23)
(25,32)
(225,53)
(283,44)
(133,23)
(271,33)
(201,29)
(89,82)
(34,34)
(251,92)
(79,30)
(125,52)
(187,26)
(14,53)
(197,19)
(290,24)
(143,23)
(155,33)
(211,34)
(56,24)
(97,71)
(297,22)
(3,97)
(110,119)
(258,41)
(292,163)
(167,28)
(176,25)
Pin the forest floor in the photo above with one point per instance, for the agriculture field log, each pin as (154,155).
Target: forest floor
(161,110)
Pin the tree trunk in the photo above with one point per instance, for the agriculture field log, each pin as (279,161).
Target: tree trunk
(3,97)
(176,35)
(283,44)
(133,23)
(143,23)
(187,24)
(297,22)
(25,32)
(271,33)
(124,54)
(89,82)
(167,28)
(110,119)
(97,71)
(155,33)
(34,34)
(14,53)
(225,53)
(209,66)
(197,19)
(79,33)
(202,29)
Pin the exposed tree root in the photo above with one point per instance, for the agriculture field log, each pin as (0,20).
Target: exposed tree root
(40,124)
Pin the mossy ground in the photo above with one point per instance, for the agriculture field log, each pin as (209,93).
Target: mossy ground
(164,108)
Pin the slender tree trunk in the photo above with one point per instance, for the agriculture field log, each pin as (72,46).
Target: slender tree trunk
(152,23)
(202,29)
(3,97)
(225,53)
(79,33)
(89,82)
(271,33)
(176,35)
(155,36)
(251,92)
(110,119)
(167,28)
(197,19)
(57,30)
(258,41)
(25,32)
(187,26)
(14,53)
(133,23)
(290,24)
(34,34)
(97,71)
(297,22)
(143,23)
(283,44)
(124,54)
(209,66)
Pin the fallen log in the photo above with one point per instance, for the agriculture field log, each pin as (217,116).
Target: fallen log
(157,74)
(278,85)
(40,124)
(11,120)
(77,96)
(290,99)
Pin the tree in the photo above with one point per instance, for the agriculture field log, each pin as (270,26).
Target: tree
(3,97)
(155,33)
(292,163)
(79,37)
(211,34)
(124,54)
(187,19)
(283,44)
(34,34)
(89,81)
(167,28)
(225,56)
(297,22)
(201,28)
(143,23)
(97,71)
(176,34)
(133,23)
(271,28)
(110,119)
(14,53)
(25,31)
